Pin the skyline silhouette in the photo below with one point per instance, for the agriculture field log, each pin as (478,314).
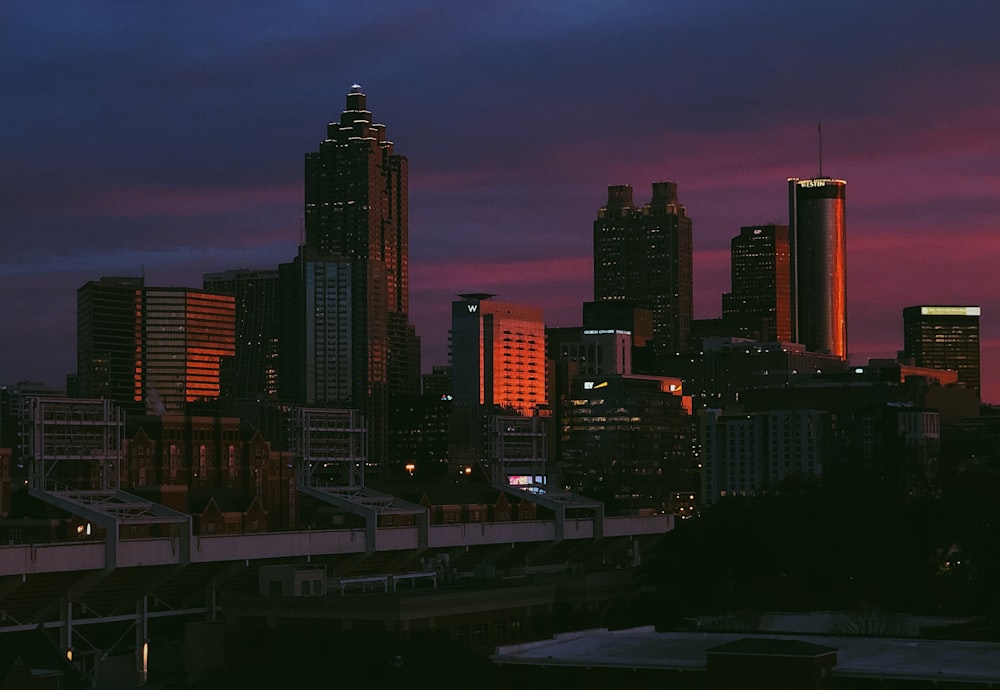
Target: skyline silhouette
(168,143)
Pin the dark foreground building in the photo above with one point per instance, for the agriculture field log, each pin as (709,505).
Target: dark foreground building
(643,658)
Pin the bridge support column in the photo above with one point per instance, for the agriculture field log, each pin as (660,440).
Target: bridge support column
(66,624)
(210,601)
(142,639)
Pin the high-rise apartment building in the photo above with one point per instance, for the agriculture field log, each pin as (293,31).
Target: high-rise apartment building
(944,337)
(108,329)
(253,373)
(356,209)
(498,374)
(497,354)
(760,304)
(317,352)
(818,242)
(643,256)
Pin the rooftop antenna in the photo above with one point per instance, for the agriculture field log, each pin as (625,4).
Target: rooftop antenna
(819,132)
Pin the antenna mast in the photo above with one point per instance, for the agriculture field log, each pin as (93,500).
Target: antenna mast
(819,132)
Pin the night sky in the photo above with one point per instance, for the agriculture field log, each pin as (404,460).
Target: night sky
(167,139)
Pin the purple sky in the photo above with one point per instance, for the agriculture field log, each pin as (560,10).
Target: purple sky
(168,138)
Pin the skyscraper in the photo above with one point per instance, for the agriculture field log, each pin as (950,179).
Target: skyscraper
(186,334)
(944,337)
(643,256)
(255,367)
(317,357)
(163,346)
(760,304)
(818,239)
(108,323)
(356,209)
(498,380)
(498,354)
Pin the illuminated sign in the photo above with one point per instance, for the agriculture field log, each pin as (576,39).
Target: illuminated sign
(821,182)
(950,311)
(473,308)
(591,385)
(525,480)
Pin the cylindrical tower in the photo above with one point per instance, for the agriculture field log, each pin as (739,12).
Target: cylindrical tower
(818,238)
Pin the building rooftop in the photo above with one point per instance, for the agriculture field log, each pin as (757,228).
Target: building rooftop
(861,657)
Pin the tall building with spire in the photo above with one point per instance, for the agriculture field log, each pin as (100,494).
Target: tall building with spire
(643,257)
(356,210)
(817,220)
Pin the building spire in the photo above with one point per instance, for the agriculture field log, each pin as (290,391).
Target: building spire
(819,133)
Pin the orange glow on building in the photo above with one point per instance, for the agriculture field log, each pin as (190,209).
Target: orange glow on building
(186,335)
(498,354)
(818,237)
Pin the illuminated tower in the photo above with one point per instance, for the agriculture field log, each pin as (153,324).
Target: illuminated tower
(760,304)
(818,241)
(497,354)
(498,383)
(642,257)
(356,209)
(944,337)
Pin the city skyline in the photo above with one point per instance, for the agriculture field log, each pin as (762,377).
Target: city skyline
(167,144)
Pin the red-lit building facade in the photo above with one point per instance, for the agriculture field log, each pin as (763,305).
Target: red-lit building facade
(498,354)
(162,347)
(818,238)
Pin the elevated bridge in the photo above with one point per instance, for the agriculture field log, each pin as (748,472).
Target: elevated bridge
(109,595)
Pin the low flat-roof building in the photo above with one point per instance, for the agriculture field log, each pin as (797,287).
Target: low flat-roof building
(644,658)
